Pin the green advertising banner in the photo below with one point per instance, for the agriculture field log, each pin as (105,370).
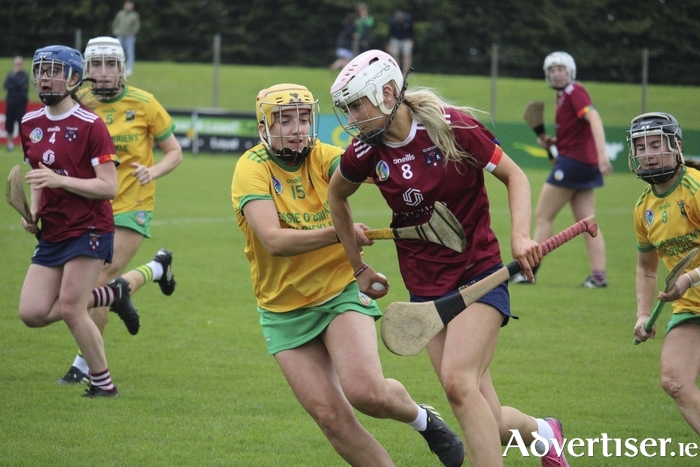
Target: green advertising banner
(234,133)
(519,142)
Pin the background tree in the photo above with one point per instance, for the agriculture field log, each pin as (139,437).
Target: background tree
(606,37)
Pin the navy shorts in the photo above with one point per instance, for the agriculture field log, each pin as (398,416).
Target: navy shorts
(99,246)
(568,173)
(499,298)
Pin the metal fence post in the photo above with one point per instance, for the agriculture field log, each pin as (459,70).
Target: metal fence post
(217,66)
(645,78)
(494,79)
(79,39)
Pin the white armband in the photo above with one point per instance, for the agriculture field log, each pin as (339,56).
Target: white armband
(696,273)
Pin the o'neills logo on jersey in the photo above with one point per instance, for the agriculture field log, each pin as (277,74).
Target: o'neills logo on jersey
(54,129)
(404,159)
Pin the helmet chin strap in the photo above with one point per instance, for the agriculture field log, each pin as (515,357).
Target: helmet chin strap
(658,176)
(292,157)
(103,93)
(377,136)
(52,98)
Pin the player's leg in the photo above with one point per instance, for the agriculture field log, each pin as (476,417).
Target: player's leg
(407,46)
(680,368)
(126,245)
(460,355)
(38,306)
(76,290)
(11,117)
(351,340)
(582,206)
(551,200)
(507,418)
(311,376)
(132,228)
(130,49)
(159,269)
(510,418)
(393,49)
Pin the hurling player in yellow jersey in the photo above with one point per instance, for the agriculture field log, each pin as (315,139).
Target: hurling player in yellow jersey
(667,224)
(135,120)
(316,323)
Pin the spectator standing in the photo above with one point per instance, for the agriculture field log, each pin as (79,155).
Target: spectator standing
(363,29)
(126,25)
(344,42)
(401,39)
(17,86)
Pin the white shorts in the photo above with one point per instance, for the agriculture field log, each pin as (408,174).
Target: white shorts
(344,53)
(401,46)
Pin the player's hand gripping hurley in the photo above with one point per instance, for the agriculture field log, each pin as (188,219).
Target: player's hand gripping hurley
(443,228)
(670,281)
(14,194)
(408,327)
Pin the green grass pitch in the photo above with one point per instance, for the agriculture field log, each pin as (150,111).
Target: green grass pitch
(198,388)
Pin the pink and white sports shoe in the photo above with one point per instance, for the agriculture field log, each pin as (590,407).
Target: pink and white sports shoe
(551,459)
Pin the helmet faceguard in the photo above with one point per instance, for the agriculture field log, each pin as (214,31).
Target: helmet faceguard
(288,104)
(640,163)
(563,59)
(365,76)
(59,63)
(99,53)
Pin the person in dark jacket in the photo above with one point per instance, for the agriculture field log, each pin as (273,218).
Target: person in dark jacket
(17,86)
(401,39)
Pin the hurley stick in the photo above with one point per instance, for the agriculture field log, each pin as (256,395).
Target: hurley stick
(14,193)
(670,281)
(443,228)
(408,327)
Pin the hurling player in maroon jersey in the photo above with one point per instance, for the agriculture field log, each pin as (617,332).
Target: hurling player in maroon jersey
(418,150)
(579,166)
(72,178)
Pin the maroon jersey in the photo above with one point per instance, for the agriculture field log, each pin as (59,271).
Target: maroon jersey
(70,144)
(412,175)
(574,136)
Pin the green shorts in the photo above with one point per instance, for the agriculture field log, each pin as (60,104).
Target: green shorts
(681,318)
(140,221)
(291,329)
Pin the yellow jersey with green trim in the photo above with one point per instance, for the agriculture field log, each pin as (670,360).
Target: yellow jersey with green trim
(135,120)
(670,224)
(300,195)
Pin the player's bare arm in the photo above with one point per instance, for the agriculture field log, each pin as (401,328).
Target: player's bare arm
(103,186)
(172,157)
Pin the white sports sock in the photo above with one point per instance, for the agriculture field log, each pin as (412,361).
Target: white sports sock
(157,269)
(81,364)
(545,431)
(421,421)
